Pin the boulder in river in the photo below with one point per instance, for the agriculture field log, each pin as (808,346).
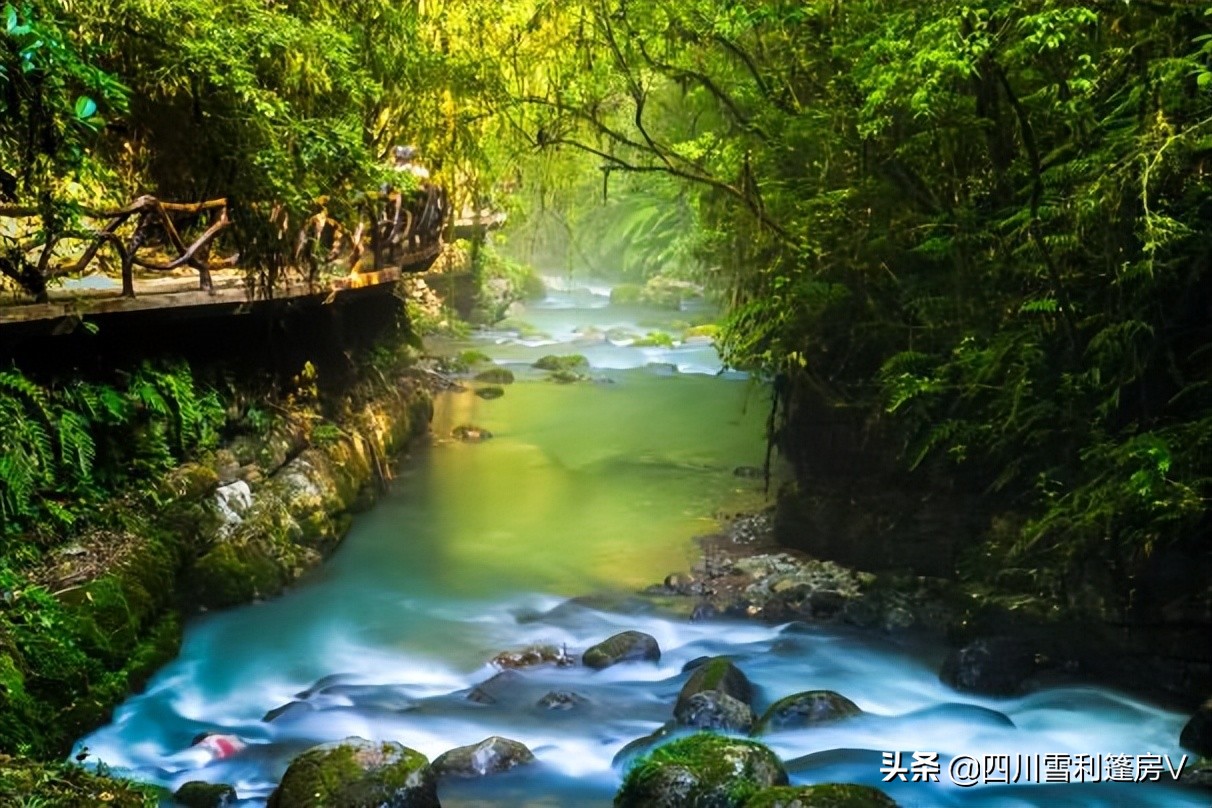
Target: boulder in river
(496,688)
(994,666)
(701,771)
(561,700)
(627,646)
(200,794)
(531,656)
(356,772)
(712,709)
(826,795)
(490,391)
(806,709)
(495,376)
(1197,734)
(717,673)
(567,377)
(490,756)
(470,433)
(569,362)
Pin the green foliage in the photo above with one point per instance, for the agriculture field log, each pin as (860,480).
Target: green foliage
(66,447)
(985,222)
(25,784)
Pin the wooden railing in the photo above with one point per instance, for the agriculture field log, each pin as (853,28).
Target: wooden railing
(150,214)
(399,228)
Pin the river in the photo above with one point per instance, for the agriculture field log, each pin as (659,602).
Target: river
(585,488)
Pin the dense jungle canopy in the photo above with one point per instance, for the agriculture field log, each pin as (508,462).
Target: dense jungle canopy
(985,224)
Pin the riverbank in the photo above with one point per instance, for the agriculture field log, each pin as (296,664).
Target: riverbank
(89,623)
(747,571)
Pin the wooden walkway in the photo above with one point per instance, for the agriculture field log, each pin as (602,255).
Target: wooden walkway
(230,289)
(403,235)
(224,290)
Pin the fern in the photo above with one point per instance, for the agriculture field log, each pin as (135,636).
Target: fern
(77,451)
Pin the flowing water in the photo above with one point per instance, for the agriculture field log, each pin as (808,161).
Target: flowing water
(585,488)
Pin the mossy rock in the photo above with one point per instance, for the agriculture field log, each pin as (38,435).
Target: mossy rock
(626,294)
(701,771)
(655,339)
(567,377)
(308,487)
(495,376)
(626,646)
(470,433)
(710,330)
(667,293)
(199,794)
(190,481)
(806,709)
(524,329)
(492,755)
(236,572)
(666,733)
(567,362)
(827,795)
(471,358)
(490,392)
(620,335)
(532,286)
(356,773)
(716,673)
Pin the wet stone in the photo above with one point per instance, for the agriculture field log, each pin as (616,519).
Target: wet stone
(561,700)
(712,709)
(532,656)
(810,708)
(199,794)
(492,755)
(627,646)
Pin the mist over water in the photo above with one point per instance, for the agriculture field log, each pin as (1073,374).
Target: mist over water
(585,488)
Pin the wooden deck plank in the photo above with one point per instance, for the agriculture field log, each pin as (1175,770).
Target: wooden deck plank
(180,291)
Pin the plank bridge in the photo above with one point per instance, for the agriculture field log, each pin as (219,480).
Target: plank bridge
(156,255)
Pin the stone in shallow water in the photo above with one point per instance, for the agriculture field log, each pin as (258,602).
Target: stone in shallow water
(490,756)
(807,709)
(531,656)
(701,771)
(199,794)
(356,772)
(627,646)
(716,673)
(994,666)
(495,376)
(490,391)
(712,709)
(497,688)
(1197,733)
(561,700)
(469,433)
